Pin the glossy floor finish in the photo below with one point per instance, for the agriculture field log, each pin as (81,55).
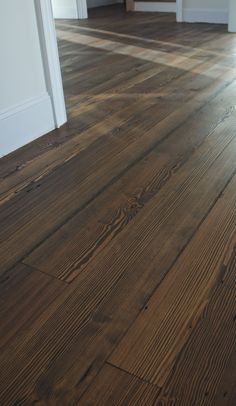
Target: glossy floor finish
(118,231)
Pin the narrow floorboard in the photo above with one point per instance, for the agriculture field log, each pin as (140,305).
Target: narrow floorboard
(117,275)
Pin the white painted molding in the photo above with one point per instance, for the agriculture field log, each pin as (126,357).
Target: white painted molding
(179,11)
(219,16)
(82,9)
(25,122)
(154,6)
(232,16)
(51,61)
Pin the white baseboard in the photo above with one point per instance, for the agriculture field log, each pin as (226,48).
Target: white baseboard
(219,16)
(24,123)
(154,6)
(99,3)
(65,12)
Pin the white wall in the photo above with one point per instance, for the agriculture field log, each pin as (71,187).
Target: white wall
(219,4)
(213,11)
(64,9)
(25,106)
(19,44)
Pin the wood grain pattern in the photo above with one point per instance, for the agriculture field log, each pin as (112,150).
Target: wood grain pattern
(61,256)
(226,390)
(106,390)
(201,365)
(25,293)
(129,208)
(140,247)
(50,201)
(177,305)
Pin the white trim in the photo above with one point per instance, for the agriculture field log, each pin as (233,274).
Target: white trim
(179,11)
(25,122)
(154,6)
(17,108)
(82,9)
(232,16)
(51,61)
(199,15)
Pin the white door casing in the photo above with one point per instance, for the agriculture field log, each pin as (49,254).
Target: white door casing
(179,11)
(232,16)
(51,60)
(82,9)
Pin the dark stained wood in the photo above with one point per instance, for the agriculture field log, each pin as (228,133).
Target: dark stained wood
(175,308)
(109,214)
(104,219)
(26,172)
(139,246)
(53,158)
(106,390)
(226,390)
(25,293)
(90,57)
(208,353)
(52,200)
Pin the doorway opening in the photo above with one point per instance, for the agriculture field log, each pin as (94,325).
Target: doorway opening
(81,9)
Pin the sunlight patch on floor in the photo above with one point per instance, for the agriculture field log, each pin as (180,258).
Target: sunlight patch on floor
(194,65)
(165,58)
(189,51)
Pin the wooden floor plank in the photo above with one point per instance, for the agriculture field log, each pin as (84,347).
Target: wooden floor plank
(204,361)
(178,303)
(25,294)
(113,386)
(226,391)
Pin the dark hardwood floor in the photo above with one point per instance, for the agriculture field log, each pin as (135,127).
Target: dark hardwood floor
(118,231)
